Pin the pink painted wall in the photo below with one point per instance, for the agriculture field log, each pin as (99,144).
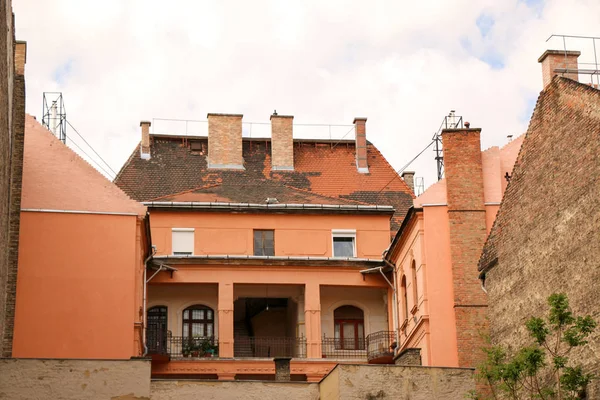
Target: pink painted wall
(295,235)
(77,292)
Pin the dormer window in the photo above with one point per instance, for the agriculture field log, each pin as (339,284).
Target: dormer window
(183,241)
(344,243)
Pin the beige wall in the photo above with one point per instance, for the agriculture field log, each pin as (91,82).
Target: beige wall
(372,301)
(179,297)
(295,235)
(349,382)
(192,390)
(74,379)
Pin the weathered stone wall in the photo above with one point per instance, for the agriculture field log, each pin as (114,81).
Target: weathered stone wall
(370,382)
(12,126)
(547,230)
(247,390)
(26,379)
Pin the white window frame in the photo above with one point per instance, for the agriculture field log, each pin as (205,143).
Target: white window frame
(336,233)
(182,230)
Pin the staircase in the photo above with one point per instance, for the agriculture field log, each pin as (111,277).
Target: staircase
(242,346)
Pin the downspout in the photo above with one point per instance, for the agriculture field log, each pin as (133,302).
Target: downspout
(144,297)
(395,305)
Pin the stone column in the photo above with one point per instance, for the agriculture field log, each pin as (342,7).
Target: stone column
(225,319)
(312,319)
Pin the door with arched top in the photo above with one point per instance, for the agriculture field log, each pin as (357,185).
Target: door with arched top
(349,329)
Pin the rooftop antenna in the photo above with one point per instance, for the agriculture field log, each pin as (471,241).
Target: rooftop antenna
(451,121)
(54,114)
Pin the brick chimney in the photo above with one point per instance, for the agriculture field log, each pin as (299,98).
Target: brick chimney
(225,141)
(282,142)
(360,127)
(145,147)
(409,178)
(467,229)
(20,57)
(558,62)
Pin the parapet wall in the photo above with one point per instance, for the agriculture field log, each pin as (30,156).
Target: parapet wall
(233,390)
(26,379)
(354,382)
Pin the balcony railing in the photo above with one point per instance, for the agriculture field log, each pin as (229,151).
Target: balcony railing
(203,347)
(380,347)
(270,347)
(349,349)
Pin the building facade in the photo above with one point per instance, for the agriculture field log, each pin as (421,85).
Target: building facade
(261,248)
(544,240)
(441,306)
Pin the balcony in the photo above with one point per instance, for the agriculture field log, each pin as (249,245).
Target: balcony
(268,347)
(380,347)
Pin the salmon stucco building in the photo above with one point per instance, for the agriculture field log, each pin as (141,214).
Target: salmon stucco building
(262,247)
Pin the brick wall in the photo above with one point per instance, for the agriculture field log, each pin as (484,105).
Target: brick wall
(466,214)
(282,142)
(12,126)
(546,232)
(225,141)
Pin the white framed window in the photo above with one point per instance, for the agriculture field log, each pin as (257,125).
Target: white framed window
(344,242)
(182,241)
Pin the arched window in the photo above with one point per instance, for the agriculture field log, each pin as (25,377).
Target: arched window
(349,329)
(198,321)
(404,297)
(413,269)
(156,329)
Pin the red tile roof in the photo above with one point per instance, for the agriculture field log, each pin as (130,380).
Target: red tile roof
(323,174)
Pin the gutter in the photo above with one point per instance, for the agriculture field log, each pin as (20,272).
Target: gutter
(201,205)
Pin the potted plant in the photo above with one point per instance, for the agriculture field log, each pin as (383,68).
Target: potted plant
(208,348)
(196,346)
(186,349)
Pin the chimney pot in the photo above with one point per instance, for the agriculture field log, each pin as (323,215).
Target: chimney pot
(282,142)
(467,124)
(360,128)
(145,147)
(409,178)
(555,62)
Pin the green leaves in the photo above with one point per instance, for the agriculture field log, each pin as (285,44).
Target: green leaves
(526,374)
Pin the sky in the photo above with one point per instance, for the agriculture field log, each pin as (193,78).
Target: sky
(403,65)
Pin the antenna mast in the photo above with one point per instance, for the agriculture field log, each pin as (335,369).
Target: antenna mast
(54,114)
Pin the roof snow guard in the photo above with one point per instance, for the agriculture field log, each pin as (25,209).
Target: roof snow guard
(254,207)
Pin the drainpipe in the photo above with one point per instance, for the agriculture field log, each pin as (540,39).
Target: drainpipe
(394,297)
(144,299)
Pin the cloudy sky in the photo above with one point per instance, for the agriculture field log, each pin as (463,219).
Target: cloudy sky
(402,64)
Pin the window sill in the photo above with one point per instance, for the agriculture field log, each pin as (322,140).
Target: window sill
(414,310)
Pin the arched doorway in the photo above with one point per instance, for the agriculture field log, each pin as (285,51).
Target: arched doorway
(349,328)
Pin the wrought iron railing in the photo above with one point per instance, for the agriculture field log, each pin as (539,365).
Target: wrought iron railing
(203,347)
(381,345)
(354,348)
(294,347)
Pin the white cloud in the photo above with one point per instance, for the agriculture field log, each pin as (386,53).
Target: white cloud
(403,65)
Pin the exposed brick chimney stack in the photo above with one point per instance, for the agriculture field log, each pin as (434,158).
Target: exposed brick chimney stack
(20,57)
(360,127)
(225,141)
(409,178)
(145,147)
(467,227)
(559,62)
(282,142)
